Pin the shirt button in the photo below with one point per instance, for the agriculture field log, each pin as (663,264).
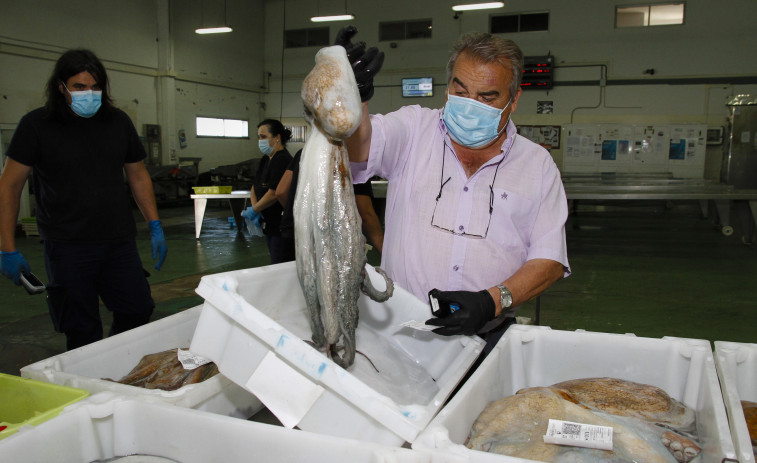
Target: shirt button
(456,268)
(465,188)
(461,228)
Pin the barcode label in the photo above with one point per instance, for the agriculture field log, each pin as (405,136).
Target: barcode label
(189,360)
(578,435)
(571,428)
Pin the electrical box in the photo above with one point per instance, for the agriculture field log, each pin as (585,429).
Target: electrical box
(153,145)
(537,72)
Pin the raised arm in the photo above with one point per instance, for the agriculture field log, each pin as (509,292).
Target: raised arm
(359,143)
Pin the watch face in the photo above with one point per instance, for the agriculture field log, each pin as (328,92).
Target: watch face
(506,297)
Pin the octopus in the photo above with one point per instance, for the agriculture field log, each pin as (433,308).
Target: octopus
(648,425)
(330,246)
(750,414)
(163,370)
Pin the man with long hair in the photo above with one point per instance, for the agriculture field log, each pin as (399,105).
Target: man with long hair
(78,148)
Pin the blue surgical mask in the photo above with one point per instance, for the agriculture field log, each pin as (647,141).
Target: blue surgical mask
(85,103)
(265,147)
(471,123)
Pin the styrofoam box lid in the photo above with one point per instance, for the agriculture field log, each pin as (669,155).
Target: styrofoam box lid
(531,356)
(253,326)
(107,426)
(113,357)
(737,369)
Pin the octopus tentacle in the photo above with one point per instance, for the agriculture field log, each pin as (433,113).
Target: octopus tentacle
(328,237)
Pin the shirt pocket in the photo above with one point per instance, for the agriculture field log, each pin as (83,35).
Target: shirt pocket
(513,218)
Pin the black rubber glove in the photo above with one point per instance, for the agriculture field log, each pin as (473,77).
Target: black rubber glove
(365,63)
(461,312)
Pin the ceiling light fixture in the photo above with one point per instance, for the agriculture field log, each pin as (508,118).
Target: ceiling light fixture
(333,17)
(217,29)
(478,6)
(338,17)
(213,30)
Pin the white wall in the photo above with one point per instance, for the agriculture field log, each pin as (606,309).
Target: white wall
(163,73)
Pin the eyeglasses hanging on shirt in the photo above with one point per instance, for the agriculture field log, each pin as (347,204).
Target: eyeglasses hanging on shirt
(461,229)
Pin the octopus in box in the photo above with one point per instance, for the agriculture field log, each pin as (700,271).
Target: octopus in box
(750,414)
(329,243)
(648,425)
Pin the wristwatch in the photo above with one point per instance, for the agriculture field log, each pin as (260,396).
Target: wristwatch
(505,297)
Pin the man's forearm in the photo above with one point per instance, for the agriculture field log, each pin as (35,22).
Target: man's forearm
(359,143)
(144,195)
(8,218)
(532,279)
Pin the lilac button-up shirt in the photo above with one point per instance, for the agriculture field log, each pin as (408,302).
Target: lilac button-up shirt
(424,244)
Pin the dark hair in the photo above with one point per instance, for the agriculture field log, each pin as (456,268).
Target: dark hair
(69,64)
(277,128)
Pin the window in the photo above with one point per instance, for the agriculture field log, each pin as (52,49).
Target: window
(649,15)
(402,30)
(524,22)
(221,128)
(311,37)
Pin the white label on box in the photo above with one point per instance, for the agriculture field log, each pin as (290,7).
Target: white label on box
(189,360)
(420,326)
(283,390)
(579,435)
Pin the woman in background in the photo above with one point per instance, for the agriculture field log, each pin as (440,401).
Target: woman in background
(272,140)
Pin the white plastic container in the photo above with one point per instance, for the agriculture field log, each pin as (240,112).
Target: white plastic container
(737,369)
(253,325)
(530,356)
(106,426)
(115,356)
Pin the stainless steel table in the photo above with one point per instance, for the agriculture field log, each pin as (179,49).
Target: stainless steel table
(653,188)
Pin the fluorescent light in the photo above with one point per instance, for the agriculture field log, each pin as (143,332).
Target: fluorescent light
(478,6)
(213,30)
(340,17)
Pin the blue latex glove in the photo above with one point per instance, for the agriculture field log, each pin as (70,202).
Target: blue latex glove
(12,264)
(251,215)
(461,312)
(159,248)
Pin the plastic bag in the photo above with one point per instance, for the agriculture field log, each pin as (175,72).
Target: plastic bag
(253,226)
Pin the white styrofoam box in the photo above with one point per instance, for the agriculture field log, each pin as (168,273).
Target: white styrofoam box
(115,356)
(107,426)
(530,356)
(737,369)
(253,325)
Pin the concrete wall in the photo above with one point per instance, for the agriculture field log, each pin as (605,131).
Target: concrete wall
(163,73)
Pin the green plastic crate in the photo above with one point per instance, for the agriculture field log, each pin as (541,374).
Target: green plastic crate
(212,190)
(27,401)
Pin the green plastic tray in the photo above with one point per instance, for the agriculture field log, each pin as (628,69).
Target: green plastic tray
(27,401)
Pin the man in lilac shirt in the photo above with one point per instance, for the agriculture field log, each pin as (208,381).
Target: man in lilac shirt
(475,214)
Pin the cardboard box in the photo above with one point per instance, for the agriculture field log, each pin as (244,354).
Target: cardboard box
(26,402)
(253,325)
(530,356)
(737,369)
(107,426)
(113,357)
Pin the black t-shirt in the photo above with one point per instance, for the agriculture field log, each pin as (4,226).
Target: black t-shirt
(78,170)
(365,189)
(287,218)
(267,178)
